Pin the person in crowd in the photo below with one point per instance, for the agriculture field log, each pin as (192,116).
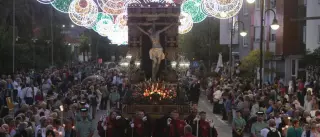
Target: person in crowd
(195,91)
(205,127)
(238,125)
(140,125)
(258,125)
(271,130)
(295,130)
(84,126)
(175,126)
(188,131)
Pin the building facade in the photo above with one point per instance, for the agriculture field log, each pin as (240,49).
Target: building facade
(312,26)
(286,43)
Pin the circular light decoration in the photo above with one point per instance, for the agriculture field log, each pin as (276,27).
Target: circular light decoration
(118,36)
(45,1)
(61,5)
(193,7)
(222,9)
(121,20)
(83,16)
(104,24)
(186,23)
(113,7)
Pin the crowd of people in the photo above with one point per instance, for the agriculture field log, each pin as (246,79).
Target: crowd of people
(273,111)
(63,103)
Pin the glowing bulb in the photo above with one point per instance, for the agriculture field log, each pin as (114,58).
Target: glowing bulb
(251,1)
(223,14)
(275,26)
(243,33)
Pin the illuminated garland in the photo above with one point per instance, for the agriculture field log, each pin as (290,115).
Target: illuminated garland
(45,1)
(192,7)
(61,5)
(222,9)
(186,23)
(118,36)
(121,20)
(83,15)
(113,7)
(104,24)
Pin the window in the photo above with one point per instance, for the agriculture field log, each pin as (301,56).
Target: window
(304,35)
(256,34)
(272,37)
(293,67)
(245,9)
(257,4)
(245,42)
(273,3)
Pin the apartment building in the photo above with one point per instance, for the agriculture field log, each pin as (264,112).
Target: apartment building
(286,43)
(312,38)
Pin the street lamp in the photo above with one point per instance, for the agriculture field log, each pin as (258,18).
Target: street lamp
(243,33)
(275,25)
(250,1)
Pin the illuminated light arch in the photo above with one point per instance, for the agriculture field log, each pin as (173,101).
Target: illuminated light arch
(222,9)
(113,7)
(186,23)
(61,5)
(193,7)
(104,24)
(83,16)
(121,20)
(45,1)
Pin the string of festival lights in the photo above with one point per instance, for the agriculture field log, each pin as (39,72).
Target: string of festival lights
(109,18)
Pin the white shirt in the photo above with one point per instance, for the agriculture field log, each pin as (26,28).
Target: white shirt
(28,91)
(264,132)
(42,130)
(217,95)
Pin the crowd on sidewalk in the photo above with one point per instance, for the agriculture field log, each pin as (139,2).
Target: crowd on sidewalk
(273,111)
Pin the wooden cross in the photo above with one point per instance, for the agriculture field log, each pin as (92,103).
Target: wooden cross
(136,42)
(171,41)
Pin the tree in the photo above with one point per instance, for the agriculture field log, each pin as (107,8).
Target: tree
(251,62)
(84,46)
(33,20)
(202,42)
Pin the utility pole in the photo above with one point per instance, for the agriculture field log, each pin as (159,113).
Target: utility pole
(261,42)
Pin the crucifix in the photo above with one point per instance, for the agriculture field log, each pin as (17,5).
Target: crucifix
(156,52)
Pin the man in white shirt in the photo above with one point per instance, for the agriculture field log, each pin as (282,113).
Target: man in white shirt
(271,129)
(29,93)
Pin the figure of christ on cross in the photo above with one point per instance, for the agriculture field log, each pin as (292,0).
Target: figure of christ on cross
(156,52)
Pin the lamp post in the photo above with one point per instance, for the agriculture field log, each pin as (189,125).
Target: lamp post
(13,33)
(273,26)
(243,33)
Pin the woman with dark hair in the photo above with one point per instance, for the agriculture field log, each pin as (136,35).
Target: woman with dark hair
(50,133)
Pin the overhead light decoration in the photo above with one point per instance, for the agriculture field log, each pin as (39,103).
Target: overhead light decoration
(114,7)
(118,35)
(45,1)
(104,24)
(61,5)
(121,20)
(221,9)
(83,12)
(186,23)
(193,7)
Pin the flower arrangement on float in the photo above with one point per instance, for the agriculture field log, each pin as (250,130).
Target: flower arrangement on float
(154,93)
